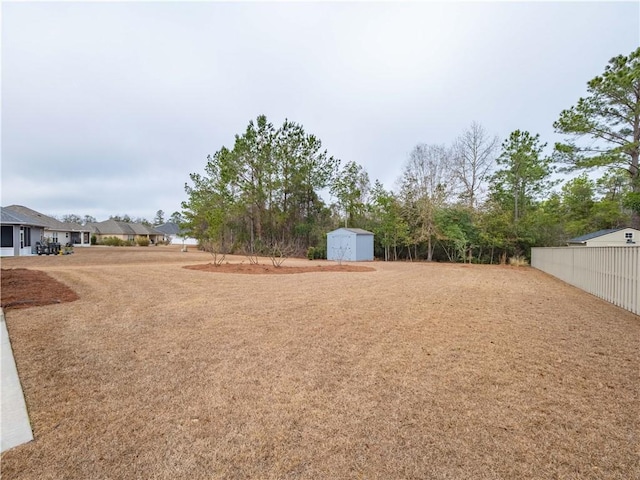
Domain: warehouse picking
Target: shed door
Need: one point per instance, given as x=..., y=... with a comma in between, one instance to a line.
x=341, y=247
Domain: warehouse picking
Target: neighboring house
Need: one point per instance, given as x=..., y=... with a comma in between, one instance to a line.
x=173, y=234
x=127, y=231
x=608, y=238
x=19, y=233
x=350, y=245
x=55, y=230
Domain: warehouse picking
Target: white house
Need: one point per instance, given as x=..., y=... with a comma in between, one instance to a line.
x=54, y=230
x=19, y=233
x=350, y=245
x=173, y=233
x=615, y=237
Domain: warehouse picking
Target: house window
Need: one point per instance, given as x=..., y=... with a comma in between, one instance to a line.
x=54, y=237
x=628, y=235
x=7, y=236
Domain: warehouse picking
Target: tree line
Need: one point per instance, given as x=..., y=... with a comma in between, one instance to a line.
x=477, y=199
x=159, y=219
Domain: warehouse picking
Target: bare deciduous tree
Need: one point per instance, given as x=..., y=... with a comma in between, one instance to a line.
x=278, y=253
x=427, y=184
x=473, y=158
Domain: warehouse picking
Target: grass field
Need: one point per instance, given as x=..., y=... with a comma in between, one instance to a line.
x=411, y=371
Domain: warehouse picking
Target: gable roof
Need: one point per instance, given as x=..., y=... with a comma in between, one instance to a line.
x=45, y=220
x=10, y=217
x=169, y=228
x=113, y=227
x=591, y=236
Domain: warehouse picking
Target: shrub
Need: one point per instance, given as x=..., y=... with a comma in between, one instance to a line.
x=94, y=240
x=142, y=241
x=319, y=253
x=518, y=261
x=114, y=242
x=316, y=253
x=278, y=254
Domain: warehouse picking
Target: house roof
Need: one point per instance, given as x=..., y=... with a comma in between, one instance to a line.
x=170, y=228
x=46, y=221
x=113, y=227
x=10, y=217
x=591, y=236
x=358, y=231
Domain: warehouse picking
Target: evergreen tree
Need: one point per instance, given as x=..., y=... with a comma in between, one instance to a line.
x=610, y=119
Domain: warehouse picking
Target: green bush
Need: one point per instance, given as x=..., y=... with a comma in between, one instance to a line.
x=316, y=253
x=94, y=240
x=114, y=242
x=143, y=241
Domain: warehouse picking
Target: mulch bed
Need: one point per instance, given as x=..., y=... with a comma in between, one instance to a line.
x=24, y=288
x=261, y=269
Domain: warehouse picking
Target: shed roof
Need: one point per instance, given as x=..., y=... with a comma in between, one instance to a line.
x=591, y=236
x=358, y=231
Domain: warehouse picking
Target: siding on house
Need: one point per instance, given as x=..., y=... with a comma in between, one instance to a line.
x=19, y=233
x=174, y=235
x=54, y=229
x=608, y=238
x=127, y=231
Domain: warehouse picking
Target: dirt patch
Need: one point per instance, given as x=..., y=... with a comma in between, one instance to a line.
x=259, y=269
x=23, y=288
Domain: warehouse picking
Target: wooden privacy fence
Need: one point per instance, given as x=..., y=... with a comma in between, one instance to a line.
x=611, y=273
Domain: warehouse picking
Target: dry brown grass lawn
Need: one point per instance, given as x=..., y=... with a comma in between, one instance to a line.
x=410, y=371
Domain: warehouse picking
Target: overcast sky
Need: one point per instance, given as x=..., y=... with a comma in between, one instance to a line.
x=107, y=107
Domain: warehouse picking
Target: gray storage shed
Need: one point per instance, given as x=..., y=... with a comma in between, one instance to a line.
x=350, y=245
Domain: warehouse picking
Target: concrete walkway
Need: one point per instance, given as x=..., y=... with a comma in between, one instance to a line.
x=15, y=428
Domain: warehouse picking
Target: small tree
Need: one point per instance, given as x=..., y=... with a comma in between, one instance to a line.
x=351, y=187
x=523, y=174
x=456, y=232
x=208, y=212
x=278, y=254
x=426, y=185
x=341, y=253
x=159, y=218
x=388, y=224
